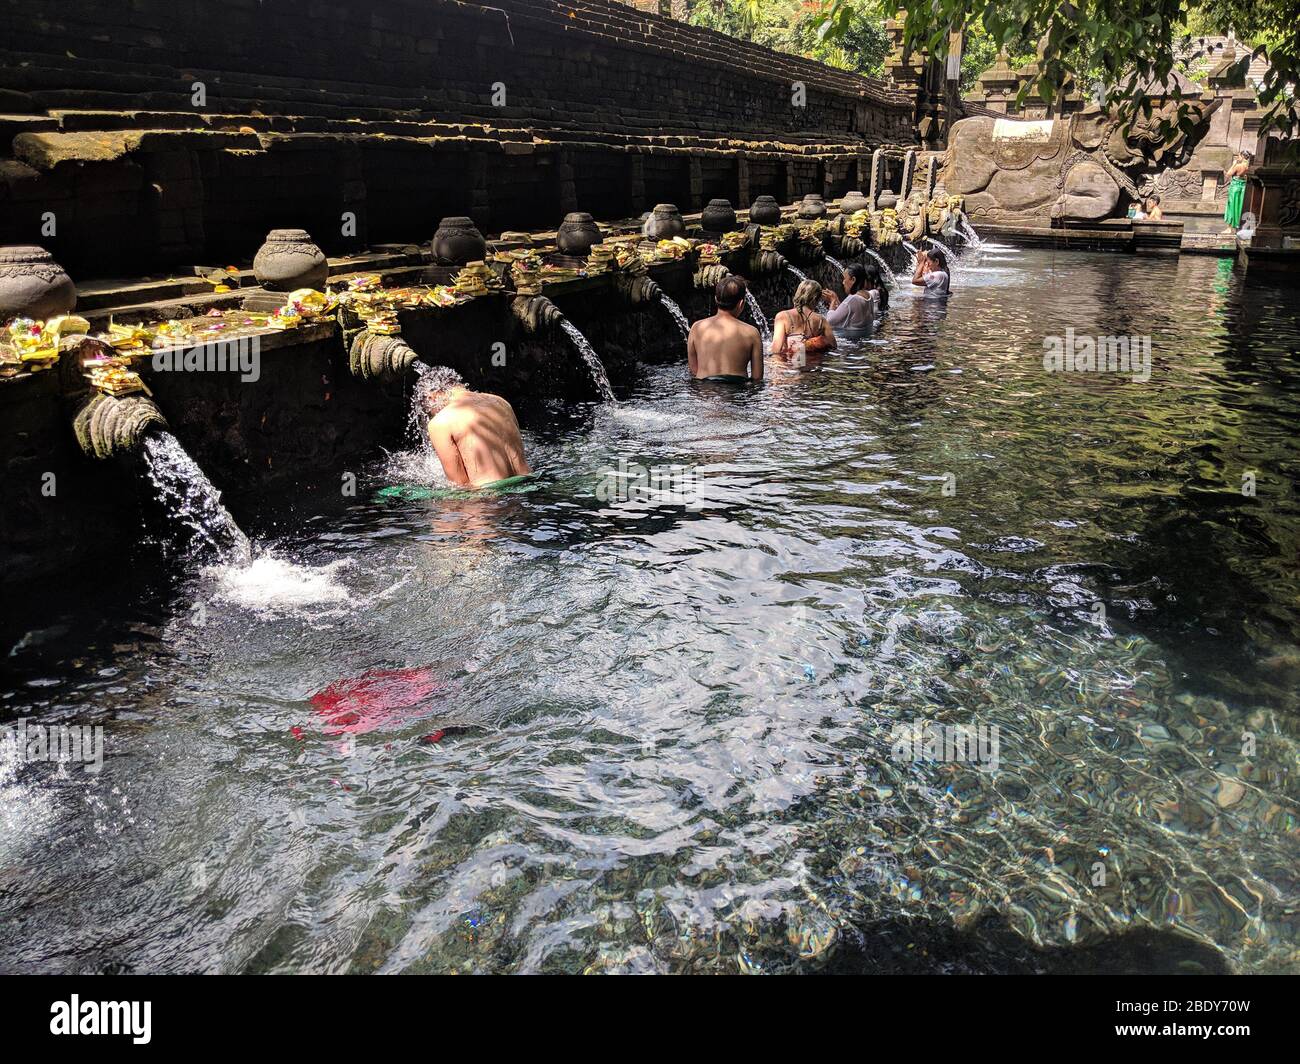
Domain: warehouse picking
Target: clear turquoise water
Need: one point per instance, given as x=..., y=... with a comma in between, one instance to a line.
x=668, y=729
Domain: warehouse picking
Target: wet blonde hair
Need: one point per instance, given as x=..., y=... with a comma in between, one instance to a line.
x=808, y=295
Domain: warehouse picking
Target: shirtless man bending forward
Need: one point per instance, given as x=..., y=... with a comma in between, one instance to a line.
x=476, y=437
x=723, y=347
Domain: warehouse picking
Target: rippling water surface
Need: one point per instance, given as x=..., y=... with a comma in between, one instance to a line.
x=661, y=733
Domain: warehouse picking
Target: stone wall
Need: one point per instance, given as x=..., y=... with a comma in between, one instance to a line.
x=582, y=64
x=365, y=123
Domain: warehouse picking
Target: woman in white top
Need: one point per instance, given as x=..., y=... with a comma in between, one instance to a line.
x=932, y=272
x=858, y=310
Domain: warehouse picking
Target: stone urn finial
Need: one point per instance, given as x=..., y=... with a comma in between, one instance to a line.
x=852, y=202
x=764, y=210
x=812, y=207
x=719, y=217
x=664, y=223
x=577, y=234
x=458, y=242
x=288, y=260
x=33, y=285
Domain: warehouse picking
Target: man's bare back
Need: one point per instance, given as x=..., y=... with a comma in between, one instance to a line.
x=723, y=345
x=477, y=439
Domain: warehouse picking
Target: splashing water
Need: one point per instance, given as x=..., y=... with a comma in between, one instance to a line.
x=756, y=312
x=428, y=379
x=598, y=375
x=679, y=316
x=797, y=272
x=190, y=498
x=968, y=233
x=269, y=585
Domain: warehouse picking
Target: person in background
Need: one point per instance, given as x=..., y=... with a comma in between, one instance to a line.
x=802, y=329
x=878, y=289
x=1236, y=178
x=724, y=348
x=932, y=272
x=857, y=311
x=1154, y=213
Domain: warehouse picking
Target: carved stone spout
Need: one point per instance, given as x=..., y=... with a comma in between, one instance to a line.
x=637, y=289
x=107, y=426
x=766, y=262
x=538, y=315
x=375, y=356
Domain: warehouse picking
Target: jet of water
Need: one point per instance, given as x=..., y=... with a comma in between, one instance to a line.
x=588, y=354
x=886, y=271
x=679, y=317
x=191, y=499
x=756, y=312
x=968, y=232
x=911, y=248
x=797, y=272
x=948, y=254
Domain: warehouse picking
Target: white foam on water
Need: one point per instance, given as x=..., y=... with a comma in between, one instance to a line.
x=270, y=585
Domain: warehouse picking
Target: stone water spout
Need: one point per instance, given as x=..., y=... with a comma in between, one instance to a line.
x=537, y=314
x=377, y=356
x=767, y=262
x=637, y=288
x=107, y=426
x=708, y=277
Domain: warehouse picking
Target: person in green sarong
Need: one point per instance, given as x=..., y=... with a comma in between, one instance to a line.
x=1236, y=178
x=477, y=439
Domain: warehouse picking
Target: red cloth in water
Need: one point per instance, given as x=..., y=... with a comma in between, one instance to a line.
x=380, y=698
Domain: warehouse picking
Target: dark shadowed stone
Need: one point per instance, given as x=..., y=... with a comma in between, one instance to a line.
x=765, y=211
x=577, y=233
x=458, y=241
x=718, y=217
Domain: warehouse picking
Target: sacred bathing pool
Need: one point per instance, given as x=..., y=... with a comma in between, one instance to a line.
x=1051, y=518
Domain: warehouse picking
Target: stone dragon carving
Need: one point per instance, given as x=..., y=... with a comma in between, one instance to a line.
x=1082, y=168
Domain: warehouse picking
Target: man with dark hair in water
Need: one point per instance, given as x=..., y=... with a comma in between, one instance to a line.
x=476, y=437
x=724, y=348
